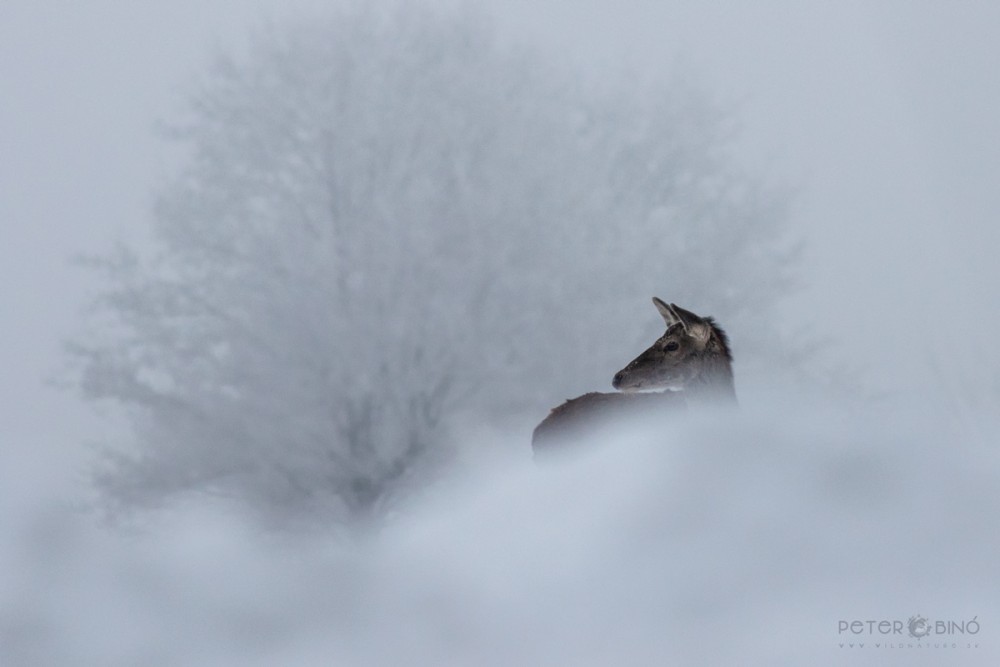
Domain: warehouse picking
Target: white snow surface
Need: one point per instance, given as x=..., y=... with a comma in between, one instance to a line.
x=712, y=541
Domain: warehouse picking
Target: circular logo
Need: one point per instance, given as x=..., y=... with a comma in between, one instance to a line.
x=918, y=626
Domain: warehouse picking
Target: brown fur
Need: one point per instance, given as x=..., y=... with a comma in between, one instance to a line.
x=578, y=417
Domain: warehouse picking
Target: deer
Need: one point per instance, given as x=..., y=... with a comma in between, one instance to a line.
x=688, y=367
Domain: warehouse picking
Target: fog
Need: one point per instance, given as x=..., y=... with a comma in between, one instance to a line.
x=774, y=537
x=746, y=540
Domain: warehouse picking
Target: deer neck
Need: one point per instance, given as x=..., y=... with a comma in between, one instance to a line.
x=714, y=385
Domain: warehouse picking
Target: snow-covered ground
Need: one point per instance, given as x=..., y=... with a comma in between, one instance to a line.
x=750, y=540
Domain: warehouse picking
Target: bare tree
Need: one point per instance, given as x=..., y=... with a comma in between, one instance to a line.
x=378, y=213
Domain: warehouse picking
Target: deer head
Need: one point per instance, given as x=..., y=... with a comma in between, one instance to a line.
x=692, y=354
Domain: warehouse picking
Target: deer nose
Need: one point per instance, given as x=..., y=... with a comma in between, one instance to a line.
x=619, y=376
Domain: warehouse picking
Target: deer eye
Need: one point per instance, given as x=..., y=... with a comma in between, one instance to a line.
x=671, y=346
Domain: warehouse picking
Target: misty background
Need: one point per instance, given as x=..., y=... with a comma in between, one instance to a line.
x=881, y=118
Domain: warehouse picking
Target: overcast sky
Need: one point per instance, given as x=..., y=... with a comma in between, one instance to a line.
x=885, y=113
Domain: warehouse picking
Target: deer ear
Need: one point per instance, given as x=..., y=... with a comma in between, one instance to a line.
x=666, y=312
x=695, y=326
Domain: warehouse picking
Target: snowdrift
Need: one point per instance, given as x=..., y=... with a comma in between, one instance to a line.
x=788, y=534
